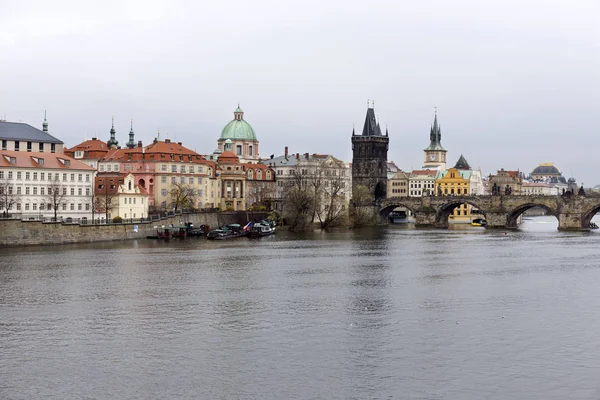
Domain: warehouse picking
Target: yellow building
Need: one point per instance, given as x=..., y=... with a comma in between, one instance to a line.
x=454, y=182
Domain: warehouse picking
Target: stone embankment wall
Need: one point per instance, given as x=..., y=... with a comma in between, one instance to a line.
x=21, y=233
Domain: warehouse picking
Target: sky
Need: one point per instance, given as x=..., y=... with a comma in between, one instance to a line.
x=515, y=82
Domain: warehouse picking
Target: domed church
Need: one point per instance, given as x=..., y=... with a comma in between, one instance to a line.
x=243, y=139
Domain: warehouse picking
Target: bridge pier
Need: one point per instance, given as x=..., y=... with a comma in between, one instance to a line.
x=571, y=222
x=497, y=220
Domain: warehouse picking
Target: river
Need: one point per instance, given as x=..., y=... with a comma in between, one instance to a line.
x=387, y=313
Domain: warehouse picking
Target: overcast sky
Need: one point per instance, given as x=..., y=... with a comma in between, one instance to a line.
x=515, y=82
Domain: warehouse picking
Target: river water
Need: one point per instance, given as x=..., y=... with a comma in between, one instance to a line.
x=385, y=313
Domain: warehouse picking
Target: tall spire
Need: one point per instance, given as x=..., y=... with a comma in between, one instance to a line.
x=112, y=141
x=238, y=113
x=371, y=127
x=45, y=123
x=131, y=143
x=435, y=135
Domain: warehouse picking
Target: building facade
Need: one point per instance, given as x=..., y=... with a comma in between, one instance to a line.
x=369, y=157
x=421, y=183
x=117, y=195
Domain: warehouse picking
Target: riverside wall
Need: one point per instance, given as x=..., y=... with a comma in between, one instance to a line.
x=22, y=233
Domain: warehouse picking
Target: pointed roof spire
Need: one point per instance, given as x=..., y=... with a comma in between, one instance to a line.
x=462, y=164
x=45, y=123
x=131, y=143
x=435, y=136
x=112, y=141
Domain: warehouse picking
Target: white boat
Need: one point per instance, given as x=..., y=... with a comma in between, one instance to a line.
x=261, y=229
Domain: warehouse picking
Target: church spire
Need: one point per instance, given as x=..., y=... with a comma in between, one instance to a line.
x=131, y=143
x=45, y=123
x=435, y=135
x=112, y=141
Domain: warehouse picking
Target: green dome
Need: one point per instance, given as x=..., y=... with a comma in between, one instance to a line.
x=238, y=129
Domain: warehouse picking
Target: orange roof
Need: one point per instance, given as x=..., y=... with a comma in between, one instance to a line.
x=51, y=160
x=154, y=152
x=93, y=149
x=228, y=157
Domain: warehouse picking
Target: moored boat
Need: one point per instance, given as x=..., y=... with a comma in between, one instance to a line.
x=479, y=222
x=262, y=228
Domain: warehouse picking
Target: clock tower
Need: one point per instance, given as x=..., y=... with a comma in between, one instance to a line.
x=435, y=154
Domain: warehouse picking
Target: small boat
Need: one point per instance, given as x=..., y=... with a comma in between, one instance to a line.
x=479, y=222
x=226, y=232
x=593, y=225
x=161, y=233
x=262, y=228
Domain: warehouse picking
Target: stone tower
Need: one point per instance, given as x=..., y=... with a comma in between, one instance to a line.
x=369, y=157
x=435, y=154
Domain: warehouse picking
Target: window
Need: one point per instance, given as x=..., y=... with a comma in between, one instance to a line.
x=42, y=189
x=182, y=169
x=201, y=169
x=101, y=167
x=109, y=168
x=29, y=147
x=173, y=179
x=191, y=181
x=173, y=168
x=163, y=192
x=72, y=191
x=133, y=200
x=18, y=206
x=163, y=179
x=238, y=150
x=52, y=148
x=35, y=190
x=87, y=206
x=1, y=174
x=34, y=206
x=18, y=189
x=250, y=150
x=182, y=180
x=27, y=190
x=72, y=207
x=163, y=167
x=41, y=150
x=79, y=207
x=191, y=169
x=64, y=206
x=87, y=177
x=87, y=191
x=64, y=191
x=79, y=191
x=72, y=177
x=4, y=144
x=80, y=178
x=64, y=177
x=17, y=145
x=26, y=206
x=35, y=176
x=41, y=206
x=200, y=181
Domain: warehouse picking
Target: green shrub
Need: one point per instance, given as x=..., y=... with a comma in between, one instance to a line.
x=117, y=220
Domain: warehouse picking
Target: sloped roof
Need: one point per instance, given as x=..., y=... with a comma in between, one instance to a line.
x=51, y=161
x=462, y=164
x=20, y=131
x=371, y=127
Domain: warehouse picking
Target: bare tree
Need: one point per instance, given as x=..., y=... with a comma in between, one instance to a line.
x=182, y=196
x=8, y=195
x=260, y=193
x=56, y=196
x=104, y=197
x=332, y=210
x=361, y=210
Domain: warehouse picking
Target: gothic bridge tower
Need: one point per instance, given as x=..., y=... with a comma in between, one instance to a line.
x=369, y=157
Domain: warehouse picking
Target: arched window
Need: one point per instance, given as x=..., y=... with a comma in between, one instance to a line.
x=250, y=174
x=268, y=175
x=129, y=186
x=259, y=174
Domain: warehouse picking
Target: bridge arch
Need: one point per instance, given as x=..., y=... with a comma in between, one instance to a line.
x=444, y=211
x=389, y=207
x=513, y=216
x=586, y=216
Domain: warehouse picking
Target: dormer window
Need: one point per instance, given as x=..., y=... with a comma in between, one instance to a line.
x=40, y=161
x=13, y=160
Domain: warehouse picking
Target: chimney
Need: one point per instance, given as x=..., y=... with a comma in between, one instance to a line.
x=139, y=143
x=154, y=140
x=94, y=138
x=286, y=152
x=297, y=156
x=167, y=140
x=179, y=143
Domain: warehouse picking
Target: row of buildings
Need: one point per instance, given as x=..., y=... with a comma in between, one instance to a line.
x=40, y=177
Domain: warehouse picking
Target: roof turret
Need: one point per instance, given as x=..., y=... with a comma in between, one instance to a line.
x=112, y=141
x=462, y=164
x=45, y=123
x=131, y=143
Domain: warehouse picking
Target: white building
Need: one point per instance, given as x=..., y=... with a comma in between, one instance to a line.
x=421, y=182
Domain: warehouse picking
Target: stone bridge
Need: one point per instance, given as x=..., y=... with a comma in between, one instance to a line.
x=573, y=212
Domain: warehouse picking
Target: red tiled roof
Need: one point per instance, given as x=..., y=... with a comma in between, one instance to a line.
x=430, y=172
x=51, y=160
x=94, y=149
x=156, y=151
